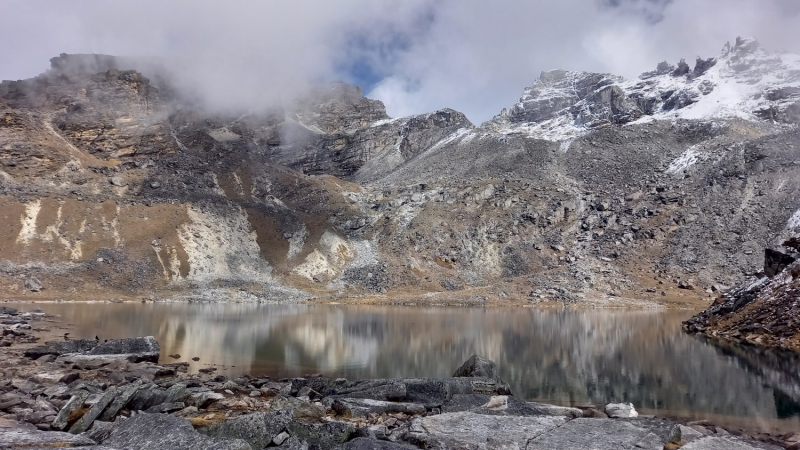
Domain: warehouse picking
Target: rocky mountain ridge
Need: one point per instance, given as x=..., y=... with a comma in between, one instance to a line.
x=113, y=185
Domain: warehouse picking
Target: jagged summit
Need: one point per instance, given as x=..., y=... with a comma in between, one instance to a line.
x=744, y=81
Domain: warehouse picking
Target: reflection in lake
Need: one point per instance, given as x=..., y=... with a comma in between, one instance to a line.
x=566, y=357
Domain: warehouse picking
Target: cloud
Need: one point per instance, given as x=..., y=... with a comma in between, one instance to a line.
x=416, y=55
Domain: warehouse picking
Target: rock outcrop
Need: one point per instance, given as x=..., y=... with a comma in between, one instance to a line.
x=762, y=310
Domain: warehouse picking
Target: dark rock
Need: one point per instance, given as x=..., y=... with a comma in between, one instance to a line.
x=139, y=349
x=258, y=429
x=160, y=431
x=478, y=366
x=8, y=310
x=61, y=348
x=430, y=392
x=775, y=262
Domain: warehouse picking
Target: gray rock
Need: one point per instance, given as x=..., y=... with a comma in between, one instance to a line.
x=118, y=181
x=258, y=429
x=8, y=310
x=94, y=412
x=372, y=444
x=280, y=438
x=120, y=401
x=74, y=404
x=620, y=410
x=608, y=433
x=689, y=434
x=203, y=399
x=23, y=438
x=147, y=396
x=138, y=349
x=478, y=366
x=294, y=443
x=99, y=431
x=354, y=407
x=470, y=430
x=33, y=284
x=156, y=431
x=727, y=443
x=553, y=410
x=495, y=405
x=328, y=435
x=430, y=392
x=299, y=408
x=164, y=408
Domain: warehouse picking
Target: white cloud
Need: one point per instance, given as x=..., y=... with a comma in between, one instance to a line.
x=471, y=55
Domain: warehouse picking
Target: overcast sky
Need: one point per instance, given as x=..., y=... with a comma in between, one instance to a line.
x=416, y=56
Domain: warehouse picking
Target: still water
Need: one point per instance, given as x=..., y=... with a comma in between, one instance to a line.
x=568, y=357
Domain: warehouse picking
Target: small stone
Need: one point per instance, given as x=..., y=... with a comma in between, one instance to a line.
x=280, y=438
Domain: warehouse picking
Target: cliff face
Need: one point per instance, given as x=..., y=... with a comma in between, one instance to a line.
x=110, y=186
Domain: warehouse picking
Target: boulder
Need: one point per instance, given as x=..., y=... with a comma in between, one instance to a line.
x=136, y=349
x=258, y=429
x=328, y=435
x=204, y=399
x=363, y=407
x=620, y=410
x=299, y=408
x=99, y=431
x=156, y=431
x=8, y=310
x=478, y=366
x=775, y=262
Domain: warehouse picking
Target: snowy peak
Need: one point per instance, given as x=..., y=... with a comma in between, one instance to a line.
x=744, y=81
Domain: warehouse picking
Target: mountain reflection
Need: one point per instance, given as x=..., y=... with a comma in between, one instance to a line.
x=566, y=357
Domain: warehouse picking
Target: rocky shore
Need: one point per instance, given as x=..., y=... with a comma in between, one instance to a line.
x=763, y=309
x=115, y=395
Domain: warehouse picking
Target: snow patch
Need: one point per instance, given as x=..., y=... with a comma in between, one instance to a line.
x=686, y=160
x=794, y=221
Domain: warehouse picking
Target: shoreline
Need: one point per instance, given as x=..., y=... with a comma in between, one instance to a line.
x=84, y=371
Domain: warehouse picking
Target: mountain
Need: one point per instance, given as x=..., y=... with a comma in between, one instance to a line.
x=590, y=189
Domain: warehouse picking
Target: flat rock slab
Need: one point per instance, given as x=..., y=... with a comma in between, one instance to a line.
x=607, y=434
x=21, y=438
x=471, y=430
x=156, y=431
x=363, y=407
x=727, y=443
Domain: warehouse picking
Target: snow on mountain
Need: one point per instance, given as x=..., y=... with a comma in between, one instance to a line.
x=744, y=81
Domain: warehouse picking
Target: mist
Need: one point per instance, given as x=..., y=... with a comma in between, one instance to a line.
x=416, y=55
